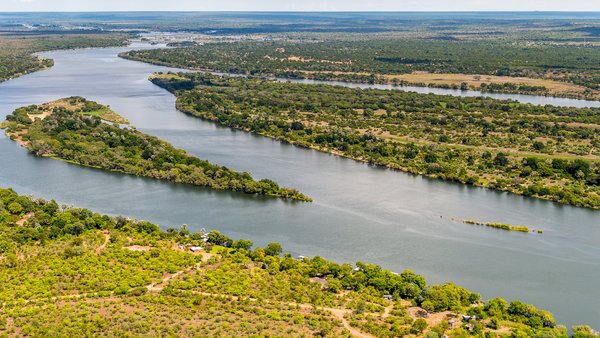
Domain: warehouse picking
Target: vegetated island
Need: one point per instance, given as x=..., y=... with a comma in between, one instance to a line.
x=540, y=151
x=503, y=226
x=76, y=130
x=67, y=271
x=490, y=66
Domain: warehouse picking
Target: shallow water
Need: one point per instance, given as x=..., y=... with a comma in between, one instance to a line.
x=360, y=213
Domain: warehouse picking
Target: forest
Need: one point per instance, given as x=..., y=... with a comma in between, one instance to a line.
x=560, y=70
x=540, y=151
x=71, y=271
x=73, y=130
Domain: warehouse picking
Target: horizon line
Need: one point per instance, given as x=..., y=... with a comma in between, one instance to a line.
x=306, y=11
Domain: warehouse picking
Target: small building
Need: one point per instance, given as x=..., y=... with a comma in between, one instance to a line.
x=388, y=297
x=195, y=248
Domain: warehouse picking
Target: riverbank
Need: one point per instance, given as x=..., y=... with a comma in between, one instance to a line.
x=362, y=299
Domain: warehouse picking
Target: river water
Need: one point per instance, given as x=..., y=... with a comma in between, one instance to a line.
x=360, y=213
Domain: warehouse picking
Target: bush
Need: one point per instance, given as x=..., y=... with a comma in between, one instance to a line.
x=15, y=208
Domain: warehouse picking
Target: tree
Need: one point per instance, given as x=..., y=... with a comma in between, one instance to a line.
x=583, y=331
x=418, y=326
x=273, y=249
x=15, y=208
x=242, y=244
x=215, y=237
x=501, y=160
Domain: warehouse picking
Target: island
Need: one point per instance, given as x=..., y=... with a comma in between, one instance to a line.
x=87, y=133
x=539, y=151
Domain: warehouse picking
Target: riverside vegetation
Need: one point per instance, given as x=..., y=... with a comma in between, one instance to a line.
x=74, y=130
x=67, y=271
x=506, y=66
x=540, y=151
x=503, y=226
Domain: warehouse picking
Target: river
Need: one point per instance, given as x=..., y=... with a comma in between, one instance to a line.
x=360, y=213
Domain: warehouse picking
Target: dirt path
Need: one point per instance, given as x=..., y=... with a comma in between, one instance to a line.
x=24, y=220
x=103, y=246
x=157, y=287
x=386, y=312
x=339, y=314
x=41, y=116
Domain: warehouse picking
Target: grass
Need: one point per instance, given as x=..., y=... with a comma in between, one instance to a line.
x=108, y=115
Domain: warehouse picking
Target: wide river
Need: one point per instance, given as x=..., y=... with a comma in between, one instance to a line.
x=360, y=213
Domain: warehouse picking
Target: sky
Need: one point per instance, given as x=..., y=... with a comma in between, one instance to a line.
x=299, y=5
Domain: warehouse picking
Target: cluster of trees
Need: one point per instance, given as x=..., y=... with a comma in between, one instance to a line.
x=87, y=140
x=366, y=60
x=497, y=144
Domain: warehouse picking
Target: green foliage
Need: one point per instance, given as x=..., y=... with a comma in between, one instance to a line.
x=405, y=132
x=584, y=331
x=447, y=297
x=87, y=140
x=419, y=326
x=15, y=208
x=273, y=249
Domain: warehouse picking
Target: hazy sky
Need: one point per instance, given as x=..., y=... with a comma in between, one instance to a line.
x=299, y=5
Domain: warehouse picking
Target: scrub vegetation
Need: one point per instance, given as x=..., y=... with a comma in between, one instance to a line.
x=70, y=271
x=541, y=151
x=74, y=130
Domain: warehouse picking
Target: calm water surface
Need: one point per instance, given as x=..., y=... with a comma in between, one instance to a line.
x=360, y=213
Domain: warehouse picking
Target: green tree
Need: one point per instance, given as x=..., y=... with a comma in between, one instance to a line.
x=15, y=208
x=273, y=249
x=418, y=326
x=244, y=244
